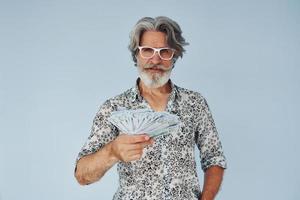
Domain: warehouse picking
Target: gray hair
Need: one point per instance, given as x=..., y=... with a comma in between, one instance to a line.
x=162, y=24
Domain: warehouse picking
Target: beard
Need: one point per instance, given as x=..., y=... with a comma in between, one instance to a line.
x=154, y=79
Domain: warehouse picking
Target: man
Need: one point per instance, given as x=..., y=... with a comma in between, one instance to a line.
x=164, y=167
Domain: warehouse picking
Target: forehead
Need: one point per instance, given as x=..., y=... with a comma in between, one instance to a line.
x=153, y=39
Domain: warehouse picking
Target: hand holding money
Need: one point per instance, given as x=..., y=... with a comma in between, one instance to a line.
x=128, y=148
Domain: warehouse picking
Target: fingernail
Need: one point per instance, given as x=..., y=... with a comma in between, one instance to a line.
x=147, y=137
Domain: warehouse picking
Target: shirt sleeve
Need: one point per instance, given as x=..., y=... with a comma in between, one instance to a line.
x=207, y=139
x=102, y=131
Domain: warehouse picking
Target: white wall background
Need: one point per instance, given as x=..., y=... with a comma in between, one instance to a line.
x=59, y=60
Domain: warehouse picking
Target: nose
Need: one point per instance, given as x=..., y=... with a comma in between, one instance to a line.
x=156, y=58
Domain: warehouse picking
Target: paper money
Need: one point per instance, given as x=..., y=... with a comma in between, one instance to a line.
x=144, y=121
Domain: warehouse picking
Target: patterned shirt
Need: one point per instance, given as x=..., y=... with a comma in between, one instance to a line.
x=167, y=169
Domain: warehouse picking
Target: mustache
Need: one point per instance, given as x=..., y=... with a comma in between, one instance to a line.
x=161, y=67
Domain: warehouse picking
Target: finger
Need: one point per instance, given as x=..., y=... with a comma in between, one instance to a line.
x=137, y=146
x=137, y=138
x=132, y=155
x=134, y=152
x=135, y=157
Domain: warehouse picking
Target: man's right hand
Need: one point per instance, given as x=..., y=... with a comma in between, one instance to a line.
x=128, y=148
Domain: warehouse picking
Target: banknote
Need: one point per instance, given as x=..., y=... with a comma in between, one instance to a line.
x=144, y=121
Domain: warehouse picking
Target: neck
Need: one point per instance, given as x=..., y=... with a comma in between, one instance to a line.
x=165, y=89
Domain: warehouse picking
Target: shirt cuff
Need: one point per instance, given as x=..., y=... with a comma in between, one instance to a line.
x=214, y=161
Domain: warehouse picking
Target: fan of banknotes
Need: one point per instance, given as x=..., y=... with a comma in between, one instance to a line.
x=144, y=121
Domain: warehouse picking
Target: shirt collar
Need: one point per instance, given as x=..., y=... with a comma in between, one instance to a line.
x=136, y=95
